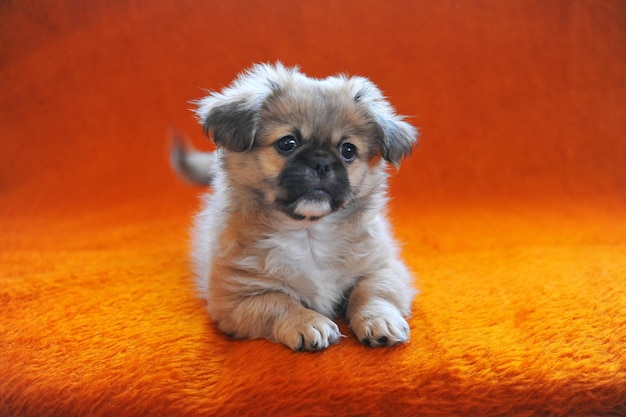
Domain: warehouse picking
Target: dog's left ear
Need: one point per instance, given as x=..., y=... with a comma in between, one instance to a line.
x=231, y=115
x=396, y=137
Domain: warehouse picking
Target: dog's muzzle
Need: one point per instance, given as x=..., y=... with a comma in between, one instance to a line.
x=313, y=186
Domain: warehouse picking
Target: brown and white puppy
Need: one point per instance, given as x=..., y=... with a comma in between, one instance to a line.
x=294, y=232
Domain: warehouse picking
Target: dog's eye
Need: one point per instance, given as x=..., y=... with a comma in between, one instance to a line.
x=286, y=144
x=348, y=151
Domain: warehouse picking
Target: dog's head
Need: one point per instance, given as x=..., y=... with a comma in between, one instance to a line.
x=304, y=146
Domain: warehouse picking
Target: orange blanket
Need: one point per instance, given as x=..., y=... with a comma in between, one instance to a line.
x=512, y=210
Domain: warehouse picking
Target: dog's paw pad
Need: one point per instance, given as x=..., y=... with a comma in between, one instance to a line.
x=380, y=326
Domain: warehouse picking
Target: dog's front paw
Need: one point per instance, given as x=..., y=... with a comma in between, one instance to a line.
x=380, y=324
x=307, y=331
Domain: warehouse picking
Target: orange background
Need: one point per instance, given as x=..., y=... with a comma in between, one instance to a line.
x=512, y=210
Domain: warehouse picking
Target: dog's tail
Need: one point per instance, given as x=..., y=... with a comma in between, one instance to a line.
x=192, y=165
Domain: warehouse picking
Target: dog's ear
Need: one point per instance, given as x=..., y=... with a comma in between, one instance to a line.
x=231, y=116
x=396, y=137
x=231, y=124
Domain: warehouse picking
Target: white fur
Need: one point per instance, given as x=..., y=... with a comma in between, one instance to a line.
x=209, y=224
x=312, y=208
x=380, y=320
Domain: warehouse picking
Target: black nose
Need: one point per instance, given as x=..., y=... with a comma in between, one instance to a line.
x=321, y=165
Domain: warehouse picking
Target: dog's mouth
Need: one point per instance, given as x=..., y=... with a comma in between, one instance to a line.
x=310, y=206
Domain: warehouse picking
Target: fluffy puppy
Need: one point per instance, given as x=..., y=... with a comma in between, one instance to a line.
x=294, y=232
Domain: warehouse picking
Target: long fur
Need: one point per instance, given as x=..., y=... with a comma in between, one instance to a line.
x=273, y=263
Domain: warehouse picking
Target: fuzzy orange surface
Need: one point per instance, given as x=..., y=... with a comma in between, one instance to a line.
x=512, y=210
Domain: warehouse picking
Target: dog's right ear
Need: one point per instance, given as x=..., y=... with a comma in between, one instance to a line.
x=231, y=116
x=231, y=124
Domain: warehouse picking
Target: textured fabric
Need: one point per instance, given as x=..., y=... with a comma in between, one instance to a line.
x=512, y=210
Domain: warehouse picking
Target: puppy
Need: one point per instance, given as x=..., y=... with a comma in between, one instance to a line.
x=294, y=232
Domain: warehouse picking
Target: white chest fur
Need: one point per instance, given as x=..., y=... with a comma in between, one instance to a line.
x=315, y=265
x=318, y=266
